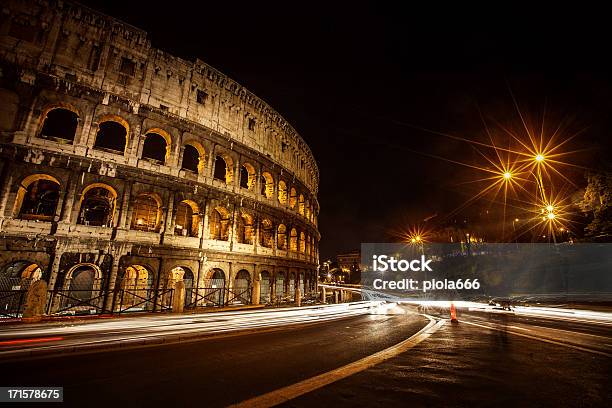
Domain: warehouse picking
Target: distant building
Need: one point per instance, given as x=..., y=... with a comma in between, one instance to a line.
x=349, y=264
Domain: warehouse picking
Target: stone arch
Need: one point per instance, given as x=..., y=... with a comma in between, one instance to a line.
x=224, y=168
x=187, y=219
x=247, y=176
x=267, y=185
x=147, y=212
x=244, y=228
x=136, y=283
x=265, y=291
x=282, y=192
x=302, y=242
x=19, y=273
x=59, y=121
x=83, y=281
x=157, y=146
x=293, y=240
x=280, y=284
x=37, y=197
x=281, y=237
x=301, y=203
x=292, y=198
x=180, y=274
x=266, y=233
x=97, y=205
x=112, y=134
x=219, y=223
x=194, y=157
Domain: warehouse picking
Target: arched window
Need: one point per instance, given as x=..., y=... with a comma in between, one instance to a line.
x=266, y=234
x=221, y=169
x=60, y=124
x=267, y=185
x=82, y=282
x=219, y=224
x=282, y=192
x=191, y=159
x=242, y=287
x=281, y=237
x=302, y=242
x=39, y=200
x=111, y=136
x=247, y=176
x=97, y=207
x=147, y=213
x=307, y=209
x=301, y=205
x=244, y=228
x=187, y=219
x=155, y=147
x=293, y=240
x=292, y=198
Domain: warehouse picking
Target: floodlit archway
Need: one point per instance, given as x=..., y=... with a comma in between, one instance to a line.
x=155, y=147
x=37, y=197
x=267, y=185
x=282, y=192
x=219, y=223
x=147, y=212
x=97, y=205
x=281, y=237
x=266, y=233
x=187, y=219
x=60, y=123
x=223, y=168
x=112, y=134
x=247, y=176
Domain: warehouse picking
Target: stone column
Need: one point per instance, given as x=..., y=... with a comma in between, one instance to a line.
x=298, y=295
x=7, y=175
x=125, y=203
x=323, y=295
x=69, y=198
x=335, y=296
x=112, y=282
x=205, y=227
x=256, y=291
x=169, y=224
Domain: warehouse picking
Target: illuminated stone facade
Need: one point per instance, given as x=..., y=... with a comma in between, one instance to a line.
x=124, y=165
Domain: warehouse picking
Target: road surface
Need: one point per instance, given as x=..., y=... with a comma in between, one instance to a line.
x=488, y=359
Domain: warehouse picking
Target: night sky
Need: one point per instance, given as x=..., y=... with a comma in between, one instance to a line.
x=359, y=83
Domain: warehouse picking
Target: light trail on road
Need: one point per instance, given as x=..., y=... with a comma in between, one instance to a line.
x=170, y=326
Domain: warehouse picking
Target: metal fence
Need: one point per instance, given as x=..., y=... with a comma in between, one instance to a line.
x=13, y=293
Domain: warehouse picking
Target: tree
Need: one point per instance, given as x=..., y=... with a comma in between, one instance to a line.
x=597, y=204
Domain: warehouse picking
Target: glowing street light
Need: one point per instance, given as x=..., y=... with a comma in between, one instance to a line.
x=551, y=215
x=550, y=208
x=539, y=158
x=507, y=175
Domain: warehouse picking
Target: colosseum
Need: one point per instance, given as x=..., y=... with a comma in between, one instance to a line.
x=126, y=170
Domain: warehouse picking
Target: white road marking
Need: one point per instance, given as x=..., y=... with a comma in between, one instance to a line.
x=290, y=392
x=559, y=343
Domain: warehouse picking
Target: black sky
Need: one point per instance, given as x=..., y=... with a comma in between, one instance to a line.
x=356, y=80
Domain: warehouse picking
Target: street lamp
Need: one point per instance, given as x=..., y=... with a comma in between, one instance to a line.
x=539, y=158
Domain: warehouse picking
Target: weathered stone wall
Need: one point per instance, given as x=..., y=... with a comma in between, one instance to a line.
x=63, y=57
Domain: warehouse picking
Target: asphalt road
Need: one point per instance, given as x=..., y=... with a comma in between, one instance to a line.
x=487, y=359
x=213, y=372
x=490, y=360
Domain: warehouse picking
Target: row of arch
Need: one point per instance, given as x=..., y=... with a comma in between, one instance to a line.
x=38, y=197
x=83, y=282
x=112, y=135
